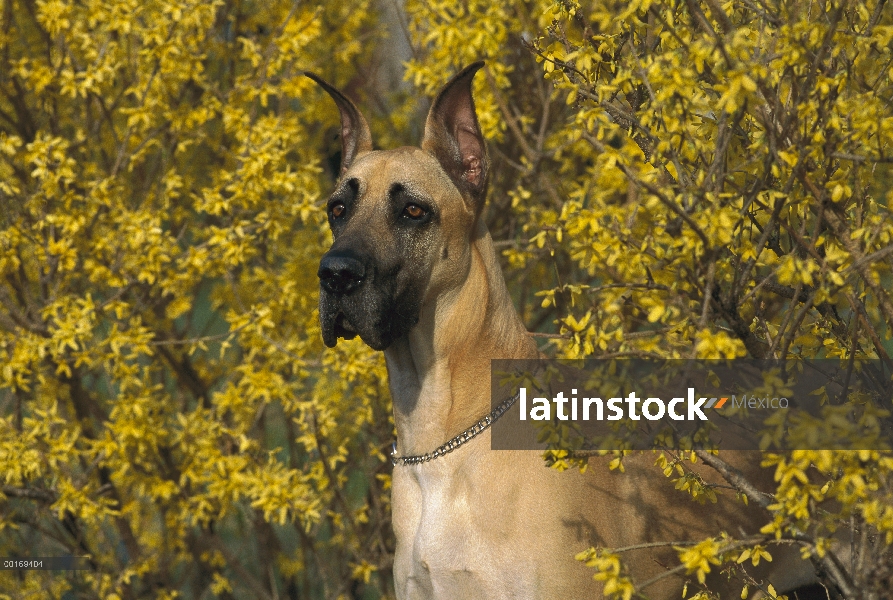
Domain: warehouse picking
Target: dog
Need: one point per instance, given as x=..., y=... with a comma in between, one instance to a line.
x=412, y=270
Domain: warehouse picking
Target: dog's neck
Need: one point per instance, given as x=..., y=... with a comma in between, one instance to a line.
x=431, y=403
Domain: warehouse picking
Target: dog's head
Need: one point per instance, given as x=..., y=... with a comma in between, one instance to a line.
x=401, y=219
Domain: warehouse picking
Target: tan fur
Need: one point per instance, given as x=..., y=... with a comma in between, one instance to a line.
x=478, y=523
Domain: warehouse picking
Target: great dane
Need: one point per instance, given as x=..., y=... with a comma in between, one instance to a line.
x=413, y=272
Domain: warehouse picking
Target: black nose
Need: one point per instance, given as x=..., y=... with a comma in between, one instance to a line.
x=340, y=273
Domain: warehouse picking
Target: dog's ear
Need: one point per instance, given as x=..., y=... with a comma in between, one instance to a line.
x=453, y=136
x=355, y=135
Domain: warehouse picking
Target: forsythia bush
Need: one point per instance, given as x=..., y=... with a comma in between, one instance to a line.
x=684, y=179
x=166, y=405
x=701, y=179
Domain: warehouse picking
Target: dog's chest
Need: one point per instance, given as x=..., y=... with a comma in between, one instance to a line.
x=454, y=539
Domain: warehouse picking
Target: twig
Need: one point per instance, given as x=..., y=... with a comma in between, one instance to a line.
x=734, y=477
x=548, y=335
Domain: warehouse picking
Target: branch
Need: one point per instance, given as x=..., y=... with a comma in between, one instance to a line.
x=734, y=477
x=30, y=493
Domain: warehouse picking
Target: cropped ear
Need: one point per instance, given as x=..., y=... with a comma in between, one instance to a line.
x=355, y=135
x=453, y=136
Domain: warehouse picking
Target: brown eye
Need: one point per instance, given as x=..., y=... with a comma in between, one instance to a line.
x=414, y=211
x=337, y=210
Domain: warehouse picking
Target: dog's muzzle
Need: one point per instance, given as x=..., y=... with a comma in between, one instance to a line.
x=343, y=299
x=356, y=298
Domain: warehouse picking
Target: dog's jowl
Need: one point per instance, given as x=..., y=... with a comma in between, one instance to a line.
x=413, y=272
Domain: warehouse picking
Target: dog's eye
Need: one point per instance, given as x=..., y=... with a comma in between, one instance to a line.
x=337, y=209
x=414, y=211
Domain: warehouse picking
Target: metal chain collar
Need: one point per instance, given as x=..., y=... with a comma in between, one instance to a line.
x=457, y=441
